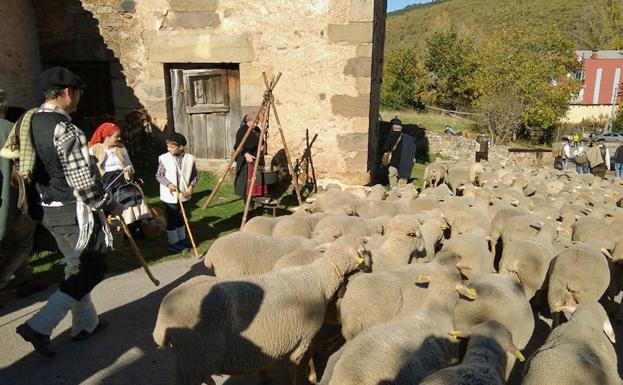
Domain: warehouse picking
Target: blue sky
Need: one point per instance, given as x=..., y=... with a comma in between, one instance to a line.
x=393, y=5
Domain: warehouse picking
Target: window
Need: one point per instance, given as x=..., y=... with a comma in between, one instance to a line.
x=206, y=91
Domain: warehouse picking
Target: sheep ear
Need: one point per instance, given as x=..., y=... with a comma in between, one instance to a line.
x=420, y=244
x=609, y=331
x=422, y=278
x=466, y=292
x=606, y=253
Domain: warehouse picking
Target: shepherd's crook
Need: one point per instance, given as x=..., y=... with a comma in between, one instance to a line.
x=137, y=251
x=190, y=234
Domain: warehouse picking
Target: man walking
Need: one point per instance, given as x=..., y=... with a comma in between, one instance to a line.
x=71, y=203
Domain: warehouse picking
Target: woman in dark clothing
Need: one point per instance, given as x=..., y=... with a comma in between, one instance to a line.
x=247, y=154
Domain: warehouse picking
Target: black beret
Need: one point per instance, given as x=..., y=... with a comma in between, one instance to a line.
x=178, y=138
x=58, y=78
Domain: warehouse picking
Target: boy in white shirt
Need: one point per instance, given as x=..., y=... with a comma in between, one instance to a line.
x=177, y=175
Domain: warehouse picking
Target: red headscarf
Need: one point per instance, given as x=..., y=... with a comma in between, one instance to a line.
x=103, y=131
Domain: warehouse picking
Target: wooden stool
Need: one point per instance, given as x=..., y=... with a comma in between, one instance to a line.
x=266, y=203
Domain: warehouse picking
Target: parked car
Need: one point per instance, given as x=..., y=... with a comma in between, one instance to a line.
x=610, y=137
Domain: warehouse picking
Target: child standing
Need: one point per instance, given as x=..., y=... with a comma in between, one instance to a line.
x=177, y=175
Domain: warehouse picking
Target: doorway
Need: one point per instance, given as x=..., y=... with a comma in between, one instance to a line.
x=204, y=106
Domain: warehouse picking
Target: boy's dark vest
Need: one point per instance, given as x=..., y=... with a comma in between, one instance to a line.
x=48, y=176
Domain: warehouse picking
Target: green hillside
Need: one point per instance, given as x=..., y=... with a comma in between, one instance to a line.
x=595, y=24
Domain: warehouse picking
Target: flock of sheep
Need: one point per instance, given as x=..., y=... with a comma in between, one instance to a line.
x=435, y=287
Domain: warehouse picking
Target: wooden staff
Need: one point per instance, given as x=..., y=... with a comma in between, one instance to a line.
x=190, y=233
x=137, y=251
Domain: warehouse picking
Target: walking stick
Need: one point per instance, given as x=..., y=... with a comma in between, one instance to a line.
x=190, y=234
x=137, y=251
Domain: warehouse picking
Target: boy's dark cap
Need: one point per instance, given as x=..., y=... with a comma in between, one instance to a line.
x=178, y=138
x=58, y=78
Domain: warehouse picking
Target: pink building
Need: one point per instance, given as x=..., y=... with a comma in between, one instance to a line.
x=602, y=81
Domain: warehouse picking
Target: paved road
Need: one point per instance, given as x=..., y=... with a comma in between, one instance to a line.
x=123, y=354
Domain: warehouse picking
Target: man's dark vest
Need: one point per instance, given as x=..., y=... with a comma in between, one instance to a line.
x=48, y=176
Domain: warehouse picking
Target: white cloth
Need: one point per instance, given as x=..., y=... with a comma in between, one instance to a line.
x=566, y=151
x=578, y=151
x=52, y=313
x=607, y=160
x=111, y=162
x=172, y=171
x=84, y=316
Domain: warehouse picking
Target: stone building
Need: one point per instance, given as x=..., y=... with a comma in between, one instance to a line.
x=196, y=67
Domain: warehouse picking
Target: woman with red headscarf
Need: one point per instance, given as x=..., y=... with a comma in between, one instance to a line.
x=115, y=167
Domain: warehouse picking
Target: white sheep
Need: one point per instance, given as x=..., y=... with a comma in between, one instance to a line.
x=331, y=227
x=244, y=325
x=577, y=352
x=498, y=298
x=403, y=350
x=485, y=359
x=577, y=274
x=401, y=244
x=473, y=247
x=240, y=254
x=371, y=299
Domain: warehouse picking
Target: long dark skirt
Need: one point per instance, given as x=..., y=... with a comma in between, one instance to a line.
x=242, y=175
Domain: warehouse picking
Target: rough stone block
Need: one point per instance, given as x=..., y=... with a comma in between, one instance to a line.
x=193, y=5
x=352, y=142
x=361, y=125
x=192, y=20
x=155, y=70
x=351, y=106
x=361, y=10
x=151, y=90
x=251, y=95
x=358, y=162
x=363, y=85
x=171, y=47
x=351, y=33
x=251, y=73
x=358, y=67
x=364, y=50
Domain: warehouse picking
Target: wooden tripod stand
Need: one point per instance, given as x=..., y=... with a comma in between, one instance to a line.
x=307, y=161
x=262, y=120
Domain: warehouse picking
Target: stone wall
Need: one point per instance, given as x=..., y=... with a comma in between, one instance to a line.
x=19, y=53
x=324, y=49
x=459, y=147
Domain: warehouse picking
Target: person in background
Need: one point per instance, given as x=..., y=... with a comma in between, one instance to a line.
x=177, y=175
x=112, y=161
x=246, y=157
x=566, y=153
x=581, y=161
x=17, y=231
x=71, y=203
x=618, y=162
x=391, y=153
x=576, y=140
x=598, y=158
x=482, y=151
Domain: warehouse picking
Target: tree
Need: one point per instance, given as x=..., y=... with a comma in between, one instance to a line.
x=603, y=25
x=524, y=66
x=405, y=80
x=451, y=62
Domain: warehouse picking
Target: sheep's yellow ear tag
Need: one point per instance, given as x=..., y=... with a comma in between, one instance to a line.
x=359, y=260
x=454, y=334
x=472, y=291
x=519, y=356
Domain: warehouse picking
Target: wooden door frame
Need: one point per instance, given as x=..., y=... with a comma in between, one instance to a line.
x=186, y=66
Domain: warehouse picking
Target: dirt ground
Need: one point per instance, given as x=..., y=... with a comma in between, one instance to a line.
x=125, y=354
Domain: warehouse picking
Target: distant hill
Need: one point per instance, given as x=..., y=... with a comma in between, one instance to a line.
x=575, y=18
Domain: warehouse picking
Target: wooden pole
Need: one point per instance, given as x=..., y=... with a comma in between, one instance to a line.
x=137, y=251
x=190, y=233
x=295, y=181
x=233, y=158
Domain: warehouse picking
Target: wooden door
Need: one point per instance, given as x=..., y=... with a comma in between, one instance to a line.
x=206, y=109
